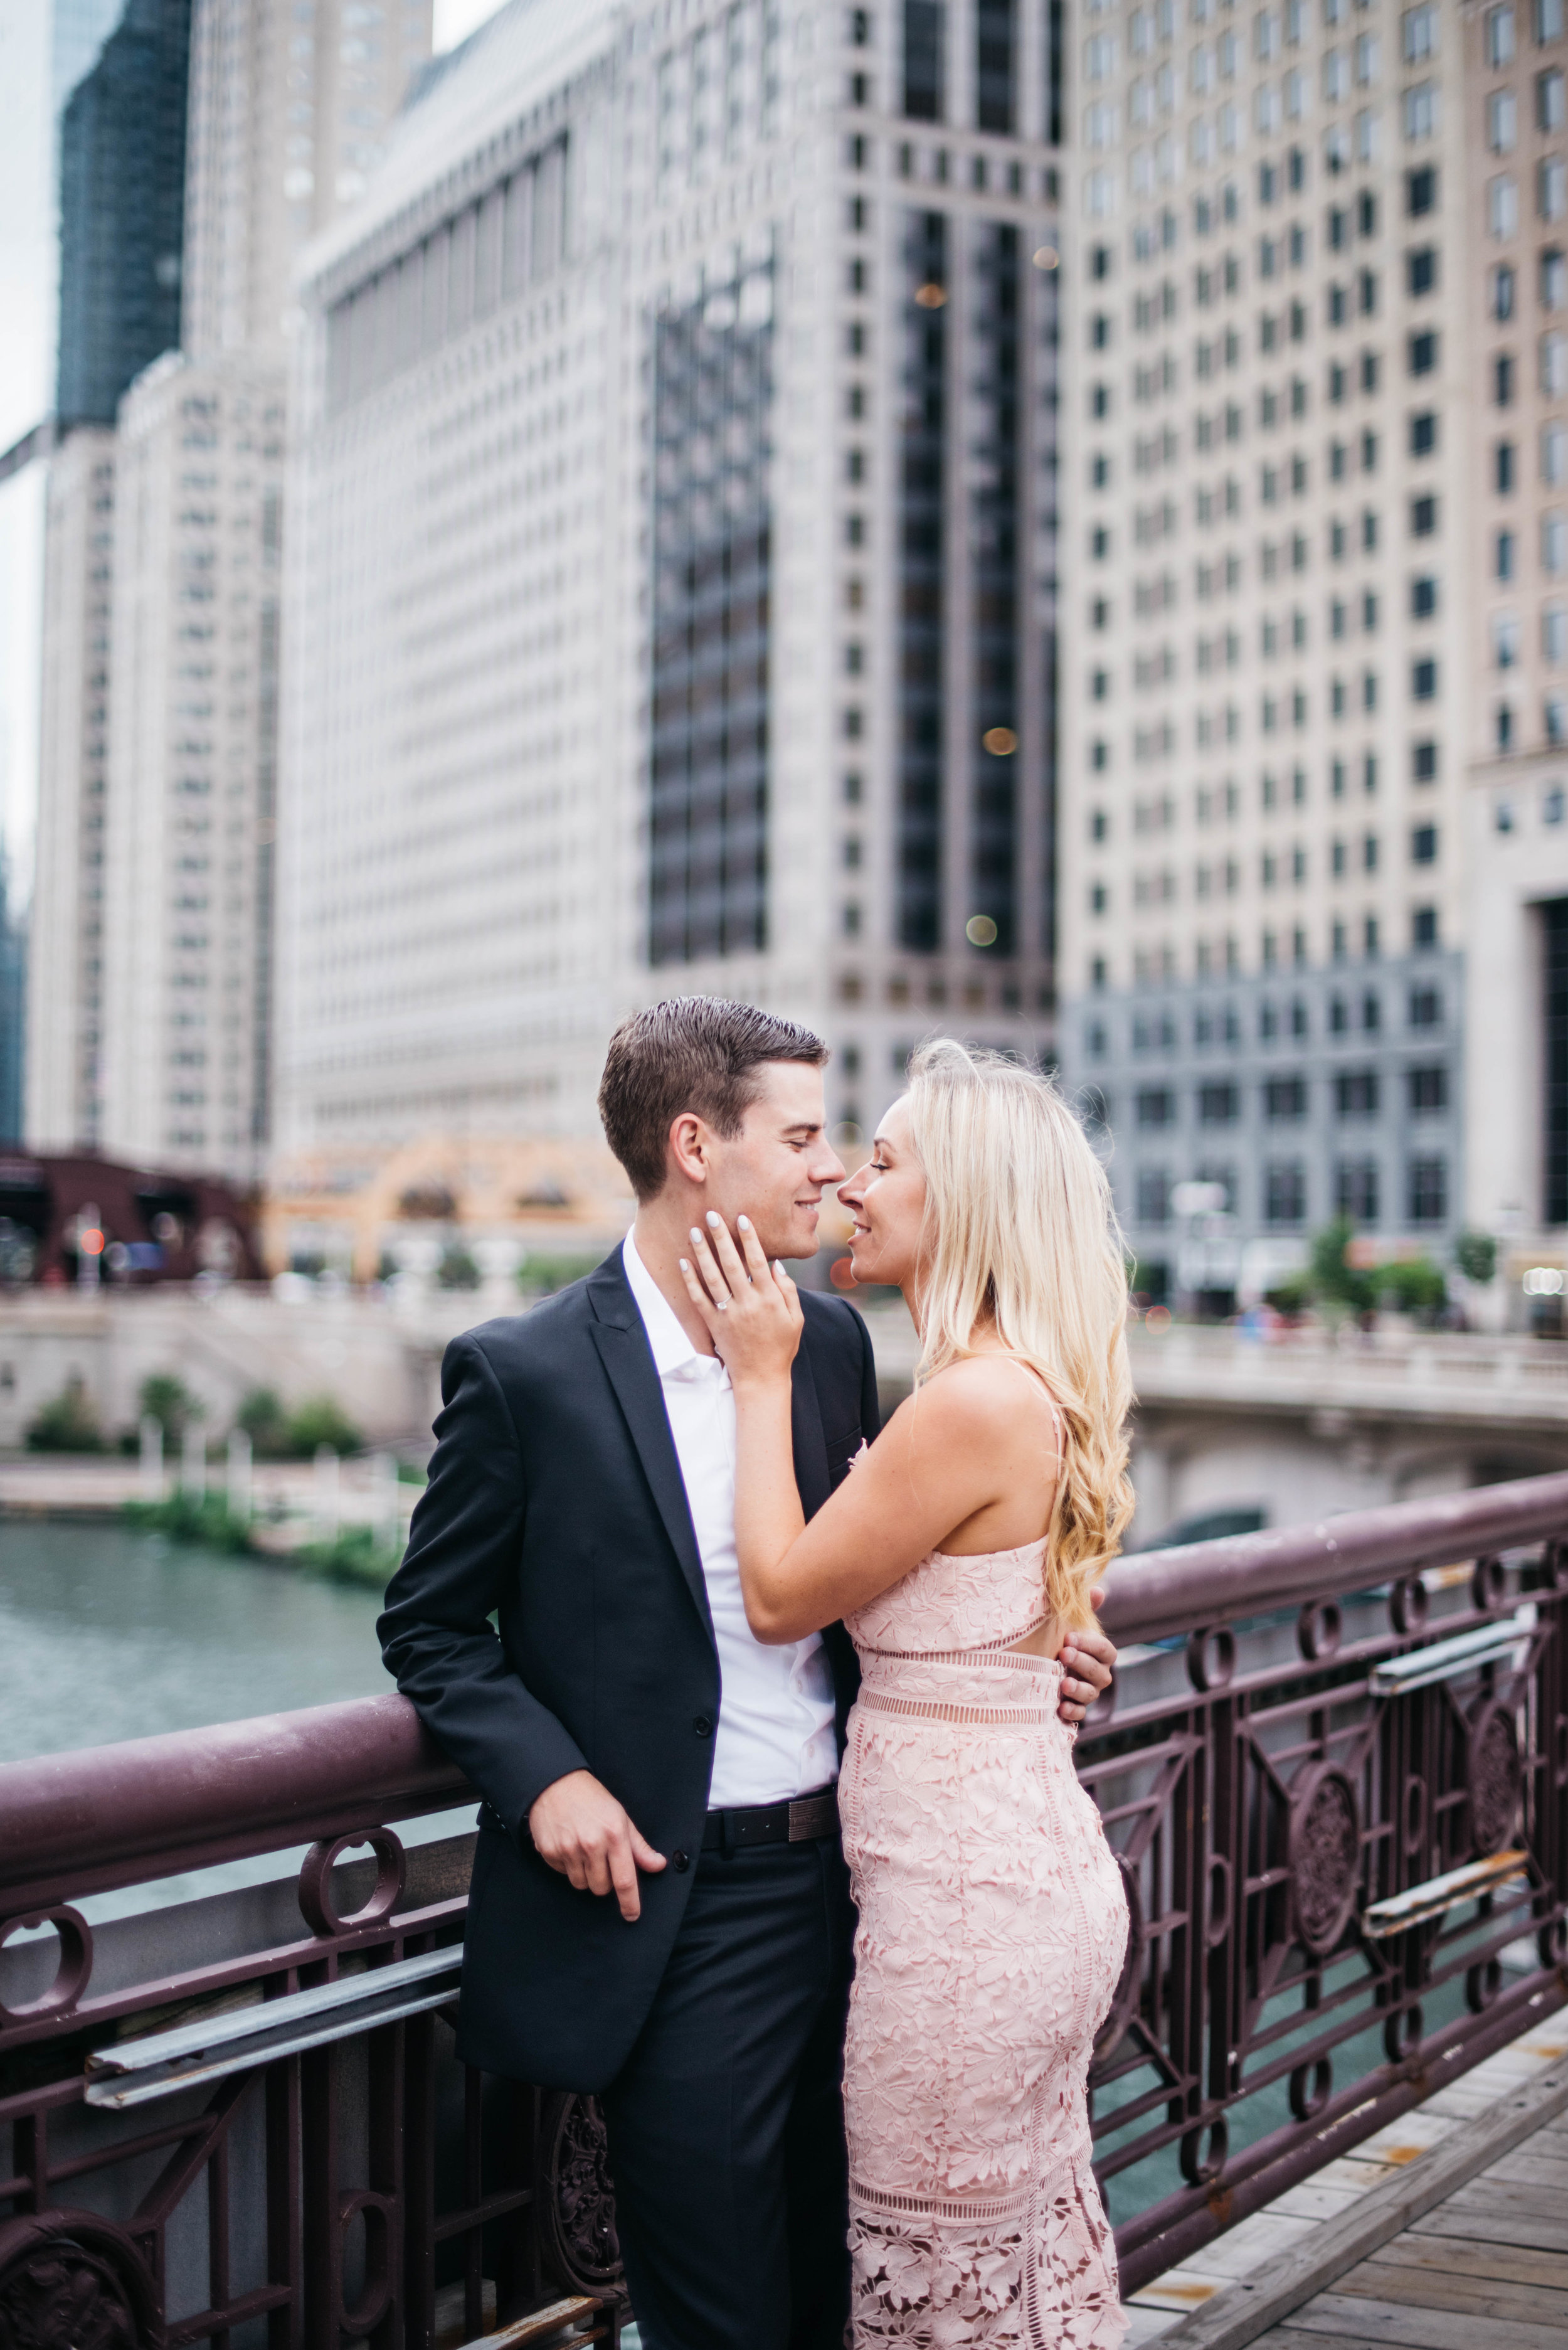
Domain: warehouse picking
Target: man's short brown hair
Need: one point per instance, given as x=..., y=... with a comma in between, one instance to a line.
x=693, y=1053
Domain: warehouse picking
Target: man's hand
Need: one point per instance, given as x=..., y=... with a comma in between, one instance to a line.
x=1088, y=1660
x=579, y=1828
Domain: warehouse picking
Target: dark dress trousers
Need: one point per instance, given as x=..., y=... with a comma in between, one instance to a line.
x=556, y=1503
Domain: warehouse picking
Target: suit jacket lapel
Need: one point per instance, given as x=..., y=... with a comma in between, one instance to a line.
x=624, y=1350
x=810, y=1444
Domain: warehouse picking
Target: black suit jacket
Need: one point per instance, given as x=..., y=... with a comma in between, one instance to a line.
x=555, y=1504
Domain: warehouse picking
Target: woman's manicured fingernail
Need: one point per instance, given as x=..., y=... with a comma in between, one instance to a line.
x=744, y=1222
x=713, y=1216
x=684, y=1266
x=696, y=1235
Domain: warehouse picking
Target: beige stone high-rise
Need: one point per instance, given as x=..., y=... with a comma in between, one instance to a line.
x=288, y=108
x=1314, y=565
x=673, y=536
x=65, y=997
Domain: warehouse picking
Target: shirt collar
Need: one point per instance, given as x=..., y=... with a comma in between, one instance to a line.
x=673, y=1353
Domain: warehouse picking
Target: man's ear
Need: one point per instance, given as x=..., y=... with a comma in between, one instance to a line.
x=691, y=1147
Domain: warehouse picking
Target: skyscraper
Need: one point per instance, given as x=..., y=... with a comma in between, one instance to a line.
x=13, y=1006
x=122, y=210
x=161, y=887
x=1308, y=509
x=672, y=566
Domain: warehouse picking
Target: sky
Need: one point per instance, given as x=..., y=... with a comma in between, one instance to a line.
x=455, y=19
x=27, y=260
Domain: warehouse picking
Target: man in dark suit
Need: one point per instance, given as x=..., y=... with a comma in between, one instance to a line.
x=659, y=1909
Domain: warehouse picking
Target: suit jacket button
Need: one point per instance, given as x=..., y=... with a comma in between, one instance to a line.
x=702, y=1726
x=681, y=1862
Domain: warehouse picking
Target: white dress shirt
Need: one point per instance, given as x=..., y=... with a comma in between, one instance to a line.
x=775, y=1735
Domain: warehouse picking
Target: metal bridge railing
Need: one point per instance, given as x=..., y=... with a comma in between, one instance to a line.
x=1337, y=1777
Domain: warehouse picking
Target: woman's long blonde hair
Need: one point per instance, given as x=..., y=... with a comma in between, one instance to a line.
x=1020, y=1231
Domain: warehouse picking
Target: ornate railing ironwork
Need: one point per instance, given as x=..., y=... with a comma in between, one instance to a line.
x=1337, y=1778
x=1343, y=1825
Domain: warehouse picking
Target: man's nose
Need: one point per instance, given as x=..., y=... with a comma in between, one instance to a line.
x=829, y=1169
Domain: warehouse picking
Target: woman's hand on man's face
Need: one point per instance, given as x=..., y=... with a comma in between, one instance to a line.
x=751, y=1308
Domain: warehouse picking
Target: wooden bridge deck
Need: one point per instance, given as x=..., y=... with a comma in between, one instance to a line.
x=1486, y=2270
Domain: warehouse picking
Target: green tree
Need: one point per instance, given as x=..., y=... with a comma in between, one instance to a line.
x=264, y=1421
x=1334, y=1281
x=167, y=1400
x=68, y=1424
x=1475, y=1253
x=457, y=1270
x=1411, y=1285
x=539, y=1275
x=319, y=1421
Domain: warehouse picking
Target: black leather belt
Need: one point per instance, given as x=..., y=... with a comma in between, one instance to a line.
x=800, y=1822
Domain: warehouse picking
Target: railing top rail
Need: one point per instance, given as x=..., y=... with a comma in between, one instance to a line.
x=106, y=1816
x=103, y=1816
x=1153, y=1594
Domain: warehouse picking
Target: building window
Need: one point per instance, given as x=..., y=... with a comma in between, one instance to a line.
x=1423, y=353
x=924, y=41
x=1501, y=121
x=1421, y=190
x=1284, y=1194
x=1423, y=845
x=1428, y=1191
x=1420, y=111
x=994, y=37
x=1284, y=1099
x=1503, y=206
x=992, y=425
x=1356, y=1189
x=1155, y=1106
x=708, y=817
x=1423, y=927
x=1423, y=762
x=1428, y=1091
x=1153, y=1196
x=1551, y=188
x=1504, y=467
x=1419, y=30
x=1423, y=518
x=1423, y=680
x=1357, y=1093
x=1554, y=543
x=1218, y=1104
x=921, y=494
x=1550, y=110
x=1423, y=597
x=1421, y=270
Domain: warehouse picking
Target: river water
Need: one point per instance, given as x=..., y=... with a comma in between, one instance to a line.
x=106, y=1634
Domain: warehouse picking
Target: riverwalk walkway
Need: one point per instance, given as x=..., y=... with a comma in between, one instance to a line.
x=1446, y=2231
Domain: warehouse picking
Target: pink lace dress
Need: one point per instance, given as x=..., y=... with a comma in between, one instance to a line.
x=992, y=1927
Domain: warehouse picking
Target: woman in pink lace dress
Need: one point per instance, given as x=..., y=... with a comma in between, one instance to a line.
x=992, y=1924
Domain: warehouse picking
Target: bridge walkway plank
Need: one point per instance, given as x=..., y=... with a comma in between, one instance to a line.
x=1485, y=2270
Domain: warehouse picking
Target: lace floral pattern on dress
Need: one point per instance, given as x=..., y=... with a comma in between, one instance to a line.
x=992, y=1926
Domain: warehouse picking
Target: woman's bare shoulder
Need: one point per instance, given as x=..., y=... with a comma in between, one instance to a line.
x=983, y=1395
